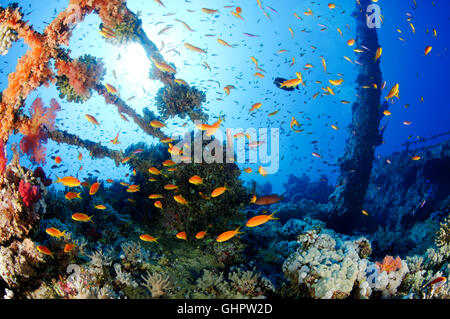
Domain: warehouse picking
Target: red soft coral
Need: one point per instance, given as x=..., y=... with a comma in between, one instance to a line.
x=30, y=193
x=34, y=132
x=3, y=159
x=390, y=264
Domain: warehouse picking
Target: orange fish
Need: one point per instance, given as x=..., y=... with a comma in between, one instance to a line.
x=196, y=180
x=155, y=196
x=255, y=107
x=73, y=195
x=218, y=191
x=268, y=200
x=69, y=247
x=157, y=124
x=110, y=181
x=44, y=250
x=169, y=163
x=92, y=119
x=365, y=212
x=94, y=188
x=416, y=158
x=68, y=181
x=170, y=187
x=54, y=232
x=58, y=160
x=80, y=217
x=158, y=204
x=262, y=171
x=154, y=171
x=259, y=220
x=180, y=199
x=228, y=235
x=428, y=50
x=148, y=238
x=316, y=154
x=182, y=235
x=101, y=207
x=213, y=128
x=248, y=170
x=115, y=141
x=111, y=89
x=200, y=235
x=439, y=281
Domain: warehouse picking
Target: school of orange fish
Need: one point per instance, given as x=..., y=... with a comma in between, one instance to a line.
x=211, y=129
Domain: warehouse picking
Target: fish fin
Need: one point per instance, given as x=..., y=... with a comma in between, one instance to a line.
x=271, y=216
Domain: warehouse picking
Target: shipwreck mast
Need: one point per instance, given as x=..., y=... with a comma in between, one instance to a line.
x=355, y=165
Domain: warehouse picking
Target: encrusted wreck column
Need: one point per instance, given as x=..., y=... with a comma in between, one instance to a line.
x=356, y=163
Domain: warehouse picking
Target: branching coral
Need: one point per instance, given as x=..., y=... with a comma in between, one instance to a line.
x=35, y=130
x=156, y=284
x=443, y=235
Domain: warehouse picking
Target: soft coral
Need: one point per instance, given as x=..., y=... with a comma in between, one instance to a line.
x=30, y=193
x=3, y=159
x=33, y=131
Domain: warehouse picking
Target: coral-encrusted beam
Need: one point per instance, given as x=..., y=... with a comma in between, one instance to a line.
x=96, y=149
x=123, y=108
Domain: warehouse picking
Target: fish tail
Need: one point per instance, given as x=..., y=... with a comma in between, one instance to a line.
x=237, y=230
x=271, y=216
x=58, y=180
x=79, y=195
x=89, y=218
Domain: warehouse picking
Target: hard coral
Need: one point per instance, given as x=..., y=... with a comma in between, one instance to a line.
x=389, y=264
x=443, y=235
x=33, y=130
x=30, y=193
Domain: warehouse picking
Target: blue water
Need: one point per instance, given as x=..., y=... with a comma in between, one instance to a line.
x=401, y=62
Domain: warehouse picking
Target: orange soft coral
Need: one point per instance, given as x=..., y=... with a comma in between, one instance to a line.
x=35, y=130
x=81, y=78
x=389, y=264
